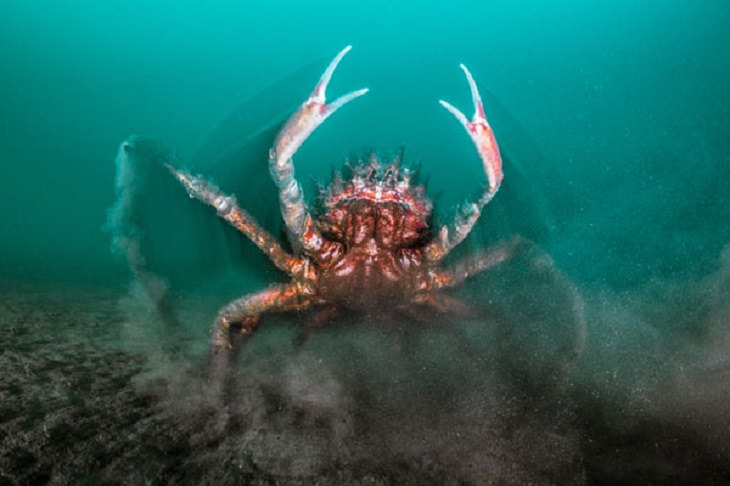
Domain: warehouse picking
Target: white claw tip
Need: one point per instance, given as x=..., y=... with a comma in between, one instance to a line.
x=467, y=73
x=342, y=53
x=456, y=112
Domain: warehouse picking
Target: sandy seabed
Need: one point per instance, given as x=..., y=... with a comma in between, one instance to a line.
x=89, y=395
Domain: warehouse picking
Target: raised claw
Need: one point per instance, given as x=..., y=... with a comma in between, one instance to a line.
x=292, y=135
x=481, y=134
x=311, y=114
x=483, y=137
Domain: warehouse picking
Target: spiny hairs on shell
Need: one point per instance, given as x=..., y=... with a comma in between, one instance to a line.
x=374, y=180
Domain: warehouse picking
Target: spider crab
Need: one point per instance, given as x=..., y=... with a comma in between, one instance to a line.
x=372, y=247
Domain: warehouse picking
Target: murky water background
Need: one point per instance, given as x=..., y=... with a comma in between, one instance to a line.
x=609, y=367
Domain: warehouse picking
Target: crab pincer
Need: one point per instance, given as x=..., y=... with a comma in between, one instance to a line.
x=311, y=113
x=481, y=134
x=292, y=135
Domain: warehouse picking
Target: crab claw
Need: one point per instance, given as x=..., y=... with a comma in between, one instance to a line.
x=481, y=134
x=311, y=114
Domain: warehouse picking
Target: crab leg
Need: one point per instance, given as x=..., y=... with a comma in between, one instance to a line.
x=295, y=131
x=246, y=312
x=237, y=320
x=228, y=209
x=474, y=264
x=483, y=137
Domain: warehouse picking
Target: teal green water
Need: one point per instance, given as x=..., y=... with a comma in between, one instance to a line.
x=625, y=104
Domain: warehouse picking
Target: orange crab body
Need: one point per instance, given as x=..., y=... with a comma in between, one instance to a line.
x=381, y=224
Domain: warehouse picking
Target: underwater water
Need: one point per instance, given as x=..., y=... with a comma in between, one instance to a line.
x=601, y=355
